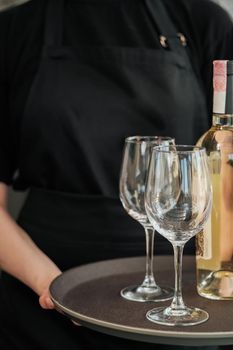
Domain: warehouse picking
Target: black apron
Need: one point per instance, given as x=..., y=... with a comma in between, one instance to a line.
x=159, y=94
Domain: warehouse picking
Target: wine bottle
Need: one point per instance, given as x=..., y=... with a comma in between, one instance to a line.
x=214, y=255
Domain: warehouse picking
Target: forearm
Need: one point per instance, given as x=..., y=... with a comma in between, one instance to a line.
x=20, y=257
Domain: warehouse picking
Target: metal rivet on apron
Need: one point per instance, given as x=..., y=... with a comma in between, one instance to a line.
x=163, y=41
x=182, y=38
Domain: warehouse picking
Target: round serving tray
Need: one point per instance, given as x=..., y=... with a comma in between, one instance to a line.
x=90, y=295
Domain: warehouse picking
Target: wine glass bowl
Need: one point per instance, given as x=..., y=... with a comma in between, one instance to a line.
x=135, y=163
x=178, y=203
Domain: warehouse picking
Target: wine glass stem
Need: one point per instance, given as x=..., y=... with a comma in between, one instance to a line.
x=149, y=280
x=177, y=302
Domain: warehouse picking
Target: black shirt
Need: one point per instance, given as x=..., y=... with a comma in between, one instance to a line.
x=126, y=23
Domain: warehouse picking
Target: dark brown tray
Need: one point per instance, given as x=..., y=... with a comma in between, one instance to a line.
x=90, y=295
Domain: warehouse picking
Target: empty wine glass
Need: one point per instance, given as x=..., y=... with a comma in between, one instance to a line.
x=178, y=202
x=134, y=169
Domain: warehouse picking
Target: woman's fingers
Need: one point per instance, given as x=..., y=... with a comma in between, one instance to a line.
x=45, y=301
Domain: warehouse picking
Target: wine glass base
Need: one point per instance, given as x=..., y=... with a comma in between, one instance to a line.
x=169, y=317
x=144, y=294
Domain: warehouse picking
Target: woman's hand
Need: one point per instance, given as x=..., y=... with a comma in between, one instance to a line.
x=20, y=257
x=44, y=296
x=45, y=300
x=47, y=304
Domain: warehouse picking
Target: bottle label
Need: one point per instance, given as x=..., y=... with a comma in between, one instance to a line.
x=204, y=242
x=205, y=238
x=220, y=86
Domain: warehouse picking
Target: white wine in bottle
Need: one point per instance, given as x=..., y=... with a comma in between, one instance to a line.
x=215, y=243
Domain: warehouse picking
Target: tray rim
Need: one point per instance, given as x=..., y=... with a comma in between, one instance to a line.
x=115, y=327
x=144, y=331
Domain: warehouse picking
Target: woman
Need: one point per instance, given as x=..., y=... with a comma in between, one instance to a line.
x=77, y=77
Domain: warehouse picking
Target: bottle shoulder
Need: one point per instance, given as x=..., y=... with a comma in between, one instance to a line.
x=216, y=137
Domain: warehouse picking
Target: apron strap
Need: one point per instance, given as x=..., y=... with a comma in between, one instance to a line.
x=53, y=33
x=169, y=35
x=171, y=38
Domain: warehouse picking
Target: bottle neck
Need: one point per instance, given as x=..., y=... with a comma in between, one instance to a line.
x=223, y=91
x=222, y=120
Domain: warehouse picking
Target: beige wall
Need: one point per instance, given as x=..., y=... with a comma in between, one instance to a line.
x=9, y=3
x=227, y=4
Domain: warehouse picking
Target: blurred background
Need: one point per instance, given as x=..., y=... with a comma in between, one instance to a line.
x=8, y=3
x=227, y=4
x=16, y=199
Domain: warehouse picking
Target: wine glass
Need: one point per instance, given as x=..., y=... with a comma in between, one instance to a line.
x=134, y=169
x=178, y=202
